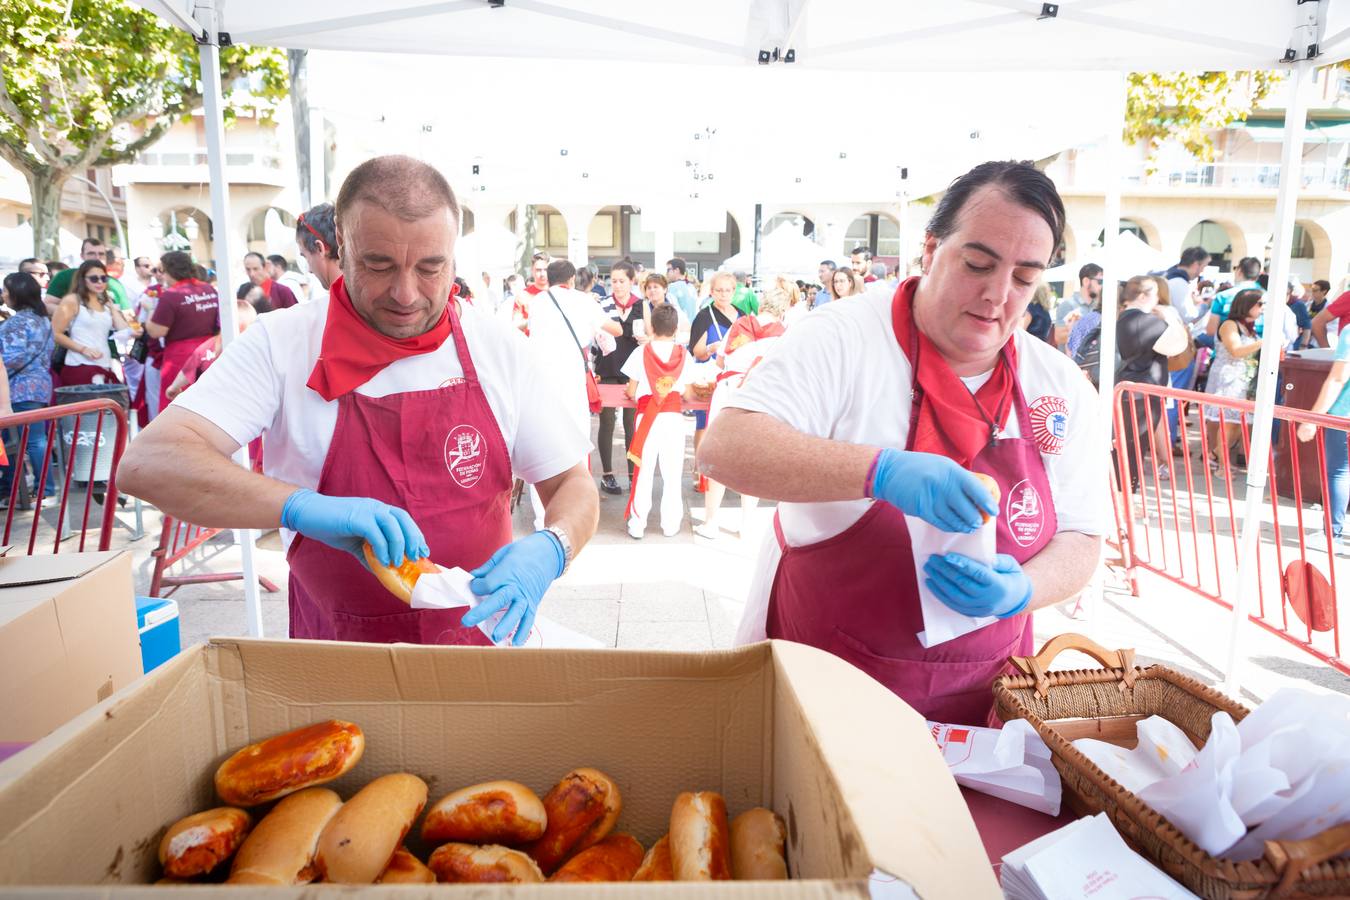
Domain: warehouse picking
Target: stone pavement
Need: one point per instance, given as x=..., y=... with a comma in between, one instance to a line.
x=686, y=593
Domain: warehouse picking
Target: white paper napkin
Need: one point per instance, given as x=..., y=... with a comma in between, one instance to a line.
x=1011, y=763
x=941, y=623
x=449, y=589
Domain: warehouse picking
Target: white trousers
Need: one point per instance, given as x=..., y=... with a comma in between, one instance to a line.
x=664, y=450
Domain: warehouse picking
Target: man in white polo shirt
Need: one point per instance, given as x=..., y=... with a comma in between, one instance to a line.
x=387, y=414
x=902, y=398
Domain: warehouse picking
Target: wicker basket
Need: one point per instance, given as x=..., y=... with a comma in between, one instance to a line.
x=1107, y=704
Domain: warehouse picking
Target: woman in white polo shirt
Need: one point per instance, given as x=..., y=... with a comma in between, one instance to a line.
x=902, y=399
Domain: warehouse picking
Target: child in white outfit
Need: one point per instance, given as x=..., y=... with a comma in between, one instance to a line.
x=661, y=372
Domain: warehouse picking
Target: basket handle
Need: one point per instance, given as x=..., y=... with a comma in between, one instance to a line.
x=1036, y=666
x=1292, y=858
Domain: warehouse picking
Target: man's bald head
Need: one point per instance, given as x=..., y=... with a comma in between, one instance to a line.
x=402, y=186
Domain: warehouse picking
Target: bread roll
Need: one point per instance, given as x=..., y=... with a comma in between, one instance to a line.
x=465, y=863
x=285, y=763
x=656, y=864
x=280, y=850
x=399, y=579
x=496, y=812
x=994, y=489
x=699, y=841
x=404, y=868
x=198, y=843
x=362, y=837
x=615, y=858
x=582, y=809
x=758, y=846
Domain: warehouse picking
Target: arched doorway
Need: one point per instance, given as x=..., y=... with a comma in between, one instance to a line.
x=550, y=231
x=1217, y=239
x=797, y=220
x=1139, y=228
x=184, y=228
x=878, y=232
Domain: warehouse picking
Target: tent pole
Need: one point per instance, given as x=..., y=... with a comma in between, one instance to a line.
x=1286, y=204
x=208, y=49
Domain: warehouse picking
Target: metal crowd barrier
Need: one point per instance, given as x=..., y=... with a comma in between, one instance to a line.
x=176, y=540
x=85, y=442
x=1183, y=524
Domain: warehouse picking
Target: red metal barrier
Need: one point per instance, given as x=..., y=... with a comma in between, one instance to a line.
x=47, y=418
x=178, y=539
x=1181, y=520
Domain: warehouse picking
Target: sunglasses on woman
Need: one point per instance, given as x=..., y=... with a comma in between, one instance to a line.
x=96, y=279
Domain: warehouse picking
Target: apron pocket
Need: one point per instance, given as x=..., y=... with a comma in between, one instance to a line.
x=392, y=629
x=956, y=692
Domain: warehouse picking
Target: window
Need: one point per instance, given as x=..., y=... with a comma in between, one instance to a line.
x=601, y=232
x=550, y=229
x=879, y=233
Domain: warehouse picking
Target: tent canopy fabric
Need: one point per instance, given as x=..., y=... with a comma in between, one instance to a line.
x=1129, y=256
x=784, y=251
x=866, y=35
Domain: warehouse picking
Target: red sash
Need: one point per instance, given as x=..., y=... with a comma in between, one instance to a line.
x=748, y=329
x=661, y=377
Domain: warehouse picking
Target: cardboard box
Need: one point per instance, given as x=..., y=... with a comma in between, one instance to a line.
x=852, y=769
x=67, y=637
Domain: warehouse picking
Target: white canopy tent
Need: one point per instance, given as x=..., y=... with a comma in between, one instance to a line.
x=869, y=36
x=1128, y=256
x=784, y=251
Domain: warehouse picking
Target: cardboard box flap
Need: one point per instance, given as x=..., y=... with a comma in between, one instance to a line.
x=20, y=571
x=885, y=761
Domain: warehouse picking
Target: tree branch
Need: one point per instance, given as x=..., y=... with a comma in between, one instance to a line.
x=43, y=149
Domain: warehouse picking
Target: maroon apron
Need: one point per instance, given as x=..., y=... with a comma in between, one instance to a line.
x=873, y=622
x=440, y=455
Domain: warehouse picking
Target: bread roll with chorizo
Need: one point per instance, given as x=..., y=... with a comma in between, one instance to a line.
x=280, y=849
x=656, y=864
x=362, y=837
x=994, y=489
x=400, y=579
x=614, y=858
x=464, y=863
x=582, y=809
x=758, y=846
x=404, y=868
x=700, y=846
x=495, y=812
x=198, y=843
x=285, y=763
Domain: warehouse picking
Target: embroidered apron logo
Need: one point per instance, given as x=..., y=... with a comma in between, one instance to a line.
x=464, y=455
x=1024, y=513
x=1049, y=423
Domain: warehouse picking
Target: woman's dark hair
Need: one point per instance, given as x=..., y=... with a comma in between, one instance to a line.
x=1024, y=184
x=178, y=265
x=25, y=293
x=464, y=291
x=626, y=268
x=77, y=284
x=1242, y=304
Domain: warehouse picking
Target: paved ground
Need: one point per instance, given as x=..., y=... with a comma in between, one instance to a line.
x=684, y=593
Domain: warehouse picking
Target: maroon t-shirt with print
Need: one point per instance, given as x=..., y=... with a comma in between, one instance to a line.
x=190, y=309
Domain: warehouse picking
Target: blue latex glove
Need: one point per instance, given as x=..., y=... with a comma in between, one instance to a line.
x=345, y=523
x=515, y=579
x=933, y=488
x=974, y=589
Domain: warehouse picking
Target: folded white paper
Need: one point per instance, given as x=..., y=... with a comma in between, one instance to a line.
x=1163, y=751
x=1199, y=800
x=941, y=623
x=1085, y=860
x=449, y=589
x=1011, y=763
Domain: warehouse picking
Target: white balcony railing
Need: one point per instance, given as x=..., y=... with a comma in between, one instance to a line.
x=1242, y=176
x=198, y=158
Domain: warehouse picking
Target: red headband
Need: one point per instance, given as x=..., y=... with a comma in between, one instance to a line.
x=310, y=229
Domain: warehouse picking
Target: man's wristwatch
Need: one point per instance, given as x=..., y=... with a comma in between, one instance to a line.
x=561, y=534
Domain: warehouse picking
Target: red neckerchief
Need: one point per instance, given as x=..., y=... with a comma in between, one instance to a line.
x=534, y=291
x=661, y=376
x=951, y=421
x=624, y=307
x=748, y=329
x=267, y=287
x=352, y=352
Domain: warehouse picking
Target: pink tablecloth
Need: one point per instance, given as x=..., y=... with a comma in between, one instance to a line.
x=1006, y=826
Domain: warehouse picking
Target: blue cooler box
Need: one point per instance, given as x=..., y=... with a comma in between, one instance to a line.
x=157, y=621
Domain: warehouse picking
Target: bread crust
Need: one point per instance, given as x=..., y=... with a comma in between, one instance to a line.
x=459, y=863
x=280, y=849
x=285, y=763
x=400, y=579
x=656, y=864
x=196, y=844
x=758, y=846
x=494, y=812
x=994, y=489
x=582, y=809
x=404, y=868
x=699, y=838
x=614, y=858
x=362, y=837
